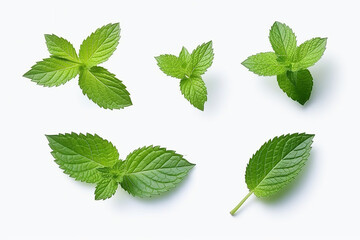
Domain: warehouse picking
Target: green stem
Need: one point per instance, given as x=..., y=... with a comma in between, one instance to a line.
x=240, y=203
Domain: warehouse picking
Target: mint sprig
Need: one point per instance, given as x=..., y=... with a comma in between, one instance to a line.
x=146, y=172
x=101, y=86
x=189, y=68
x=276, y=164
x=288, y=62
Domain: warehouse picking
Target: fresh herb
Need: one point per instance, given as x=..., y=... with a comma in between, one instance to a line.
x=189, y=68
x=145, y=172
x=276, y=164
x=288, y=62
x=101, y=86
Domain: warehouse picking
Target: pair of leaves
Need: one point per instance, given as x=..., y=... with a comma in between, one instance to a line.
x=288, y=61
x=101, y=86
x=189, y=68
x=146, y=172
x=276, y=164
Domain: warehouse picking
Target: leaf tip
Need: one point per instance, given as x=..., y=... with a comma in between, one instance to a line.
x=27, y=74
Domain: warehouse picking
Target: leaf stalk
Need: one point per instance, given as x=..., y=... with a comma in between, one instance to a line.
x=241, y=203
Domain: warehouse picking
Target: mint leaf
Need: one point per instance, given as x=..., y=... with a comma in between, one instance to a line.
x=81, y=155
x=152, y=171
x=289, y=62
x=297, y=85
x=189, y=68
x=100, y=45
x=53, y=72
x=103, y=88
x=146, y=172
x=194, y=90
x=201, y=59
x=308, y=53
x=105, y=188
x=264, y=64
x=283, y=40
x=276, y=164
x=171, y=66
x=61, y=48
x=185, y=58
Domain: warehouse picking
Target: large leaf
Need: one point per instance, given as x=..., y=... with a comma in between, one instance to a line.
x=53, y=71
x=80, y=155
x=152, y=171
x=103, y=88
x=277, y=163
x=100, y=45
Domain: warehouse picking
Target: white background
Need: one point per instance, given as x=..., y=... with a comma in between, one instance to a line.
x=243, y=111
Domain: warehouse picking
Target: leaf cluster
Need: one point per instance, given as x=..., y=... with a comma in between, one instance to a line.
x=189, y=68
x=146, y=172
x=64, y=64
x=288, y=62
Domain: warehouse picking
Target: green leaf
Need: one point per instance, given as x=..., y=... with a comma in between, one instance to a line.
x=152, y=171
x=81, y=155
x=105, y=188
x=185, y=56
x=264, y=64
x=100, y=45
x=61, y=48
x=103, y=88
x=171, y=66
x=201, y=59
x=53, y=71
x=276, y=164
x=297, y=85
x=308, y=53
x=194, y=90
x=283, y=40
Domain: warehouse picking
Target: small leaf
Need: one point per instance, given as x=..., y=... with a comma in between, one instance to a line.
x=100, y=45
x=276, y=164
x=81, y=155
x=185, y=56
x=194, y=90
x=103, y=88
x=152, y=171
x=283, y=40
x=53, y=71
x=201, y=59
x=171, y=66
x=264, y=64
x=308, y=53
x=61, y=48
x=105, y=188
x=297, y=85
